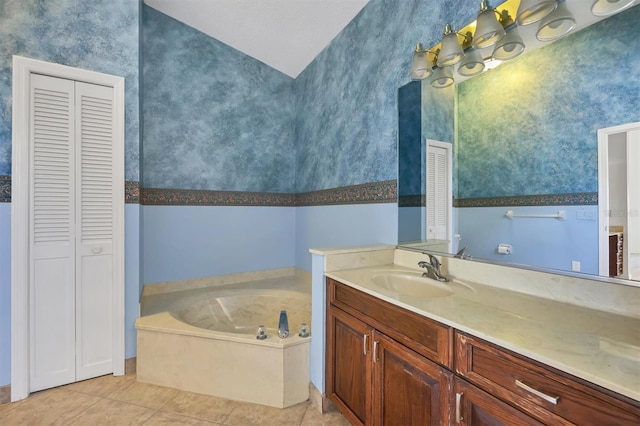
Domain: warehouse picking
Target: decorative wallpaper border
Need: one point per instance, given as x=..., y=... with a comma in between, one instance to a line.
x=198, y=197
x=131, y=192
x=368, y=193
x=570, y=199
x=5, y=189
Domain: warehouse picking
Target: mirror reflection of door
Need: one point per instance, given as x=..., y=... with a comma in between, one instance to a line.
x=438, y=194
x=619, y=199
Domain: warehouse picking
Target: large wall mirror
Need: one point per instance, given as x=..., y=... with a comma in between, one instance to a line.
x=546, y=156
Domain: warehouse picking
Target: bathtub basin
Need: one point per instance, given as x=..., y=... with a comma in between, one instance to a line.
x=204, y=341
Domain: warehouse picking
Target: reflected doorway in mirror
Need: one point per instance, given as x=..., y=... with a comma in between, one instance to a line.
x=619, y=201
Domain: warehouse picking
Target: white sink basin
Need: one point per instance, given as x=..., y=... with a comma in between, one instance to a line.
x=411, y=284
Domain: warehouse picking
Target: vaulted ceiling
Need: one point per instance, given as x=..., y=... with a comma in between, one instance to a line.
x=284, y=34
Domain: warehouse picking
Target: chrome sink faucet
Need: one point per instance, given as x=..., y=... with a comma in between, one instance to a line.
x=433, y=269
x=462, y=253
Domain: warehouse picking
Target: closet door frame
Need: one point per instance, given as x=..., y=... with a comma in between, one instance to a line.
x=20, y=184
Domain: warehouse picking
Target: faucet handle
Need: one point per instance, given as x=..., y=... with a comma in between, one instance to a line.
x=434, y=261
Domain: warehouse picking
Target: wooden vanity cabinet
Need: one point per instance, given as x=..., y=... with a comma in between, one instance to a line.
x=408, y=389
x=545, y=394
x=476, y=407
x=389, y=366
x=376, y=379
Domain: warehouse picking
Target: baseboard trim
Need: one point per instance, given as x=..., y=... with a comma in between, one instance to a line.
x=5, y=391
x=130, y=365
x=5, y=394
x=320, y=402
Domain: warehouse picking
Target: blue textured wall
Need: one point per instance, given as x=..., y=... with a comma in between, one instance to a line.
x=410, y=160
x=98, y=36
x=347, y=97
x=530, y=126
x=213, y=118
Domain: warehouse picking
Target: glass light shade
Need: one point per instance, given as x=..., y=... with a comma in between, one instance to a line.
x=509, y=47
x=556, y=24
x=609, y=7
x=420, y=66
x=442, y=77
x=531, y=11
x=472, y=64
x=451, y=52
x=488, y=29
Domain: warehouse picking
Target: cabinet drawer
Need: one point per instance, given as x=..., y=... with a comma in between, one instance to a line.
x=546, y=394
x=427, y=337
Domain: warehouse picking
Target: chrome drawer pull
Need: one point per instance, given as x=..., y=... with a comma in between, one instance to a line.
x=365, y=344
x=458, y=406
x=548, y=398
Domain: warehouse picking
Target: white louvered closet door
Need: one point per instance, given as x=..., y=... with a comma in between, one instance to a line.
x=437, y=193
x=52, y=275
x=71, y=280
x=94, y=230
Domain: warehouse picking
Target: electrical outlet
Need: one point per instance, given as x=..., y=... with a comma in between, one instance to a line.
x=584, y=215
x=575, y=265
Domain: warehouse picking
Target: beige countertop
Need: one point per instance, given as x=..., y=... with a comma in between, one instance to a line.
x=597, y=346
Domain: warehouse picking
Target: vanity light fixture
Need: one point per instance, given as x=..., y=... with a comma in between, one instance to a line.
x=556, y=24
x=510, y=46
x=531, y=11
x=494, y=36
x=451, y=51
x=488, y=30
x=609, y=7
x=442, y=77
x=421, y=66
x=472, y=64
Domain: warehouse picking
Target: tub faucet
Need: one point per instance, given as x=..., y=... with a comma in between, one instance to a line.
x=433, y=269
x=283, y=325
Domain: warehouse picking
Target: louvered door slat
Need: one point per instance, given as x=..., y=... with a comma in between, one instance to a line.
x=52, y=157
x=96, y=162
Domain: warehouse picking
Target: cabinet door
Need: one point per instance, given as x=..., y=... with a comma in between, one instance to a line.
x=474, y=407
x=408, y=389
x=349, y=365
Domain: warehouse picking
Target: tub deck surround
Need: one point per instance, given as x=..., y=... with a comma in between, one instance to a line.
x=203, y=340
x=258, y=278
x=596, y=345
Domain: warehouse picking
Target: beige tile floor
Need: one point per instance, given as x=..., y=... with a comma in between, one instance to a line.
x=111, y=400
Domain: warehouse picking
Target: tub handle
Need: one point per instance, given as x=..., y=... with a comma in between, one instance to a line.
x=365, y=344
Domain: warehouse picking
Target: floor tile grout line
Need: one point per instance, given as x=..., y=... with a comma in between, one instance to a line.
x=84, y=410
x=150, y=417
x=191, y=416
